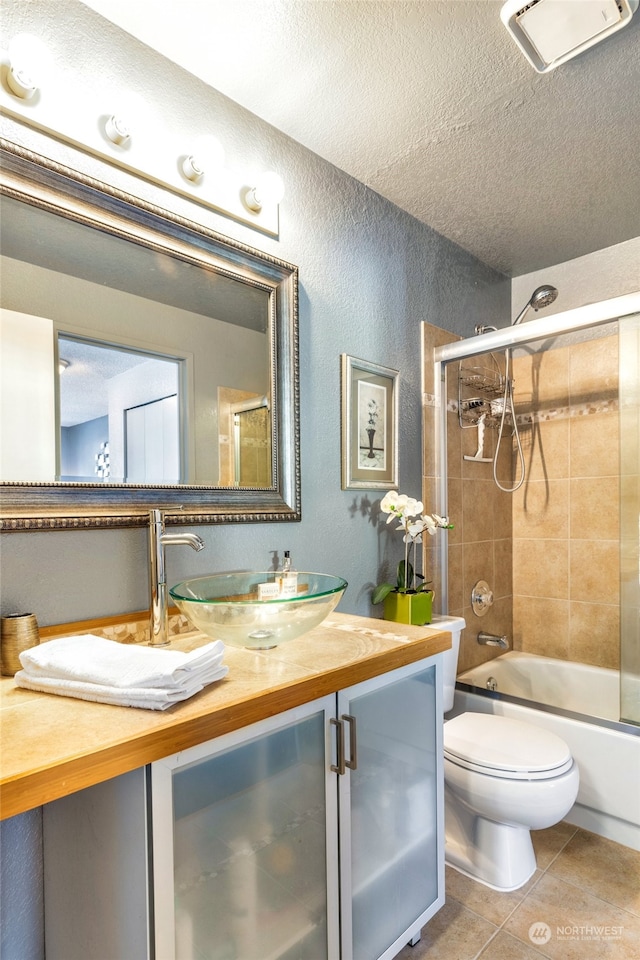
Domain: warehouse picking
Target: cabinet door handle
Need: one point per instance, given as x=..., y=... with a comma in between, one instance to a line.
x=352, y=762
x=338, y=766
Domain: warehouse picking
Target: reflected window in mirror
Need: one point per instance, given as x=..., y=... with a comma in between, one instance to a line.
x=62, y=278
x=123, y=399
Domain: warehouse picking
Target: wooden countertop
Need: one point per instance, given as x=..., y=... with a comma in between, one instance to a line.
x=52, y=746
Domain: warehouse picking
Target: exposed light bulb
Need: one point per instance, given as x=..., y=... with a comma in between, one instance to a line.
x=29, y=63
x=116, y=129
x=21, y=83
x=128, y=117
x=207, y=156
x=269, y=189
x=192, y=168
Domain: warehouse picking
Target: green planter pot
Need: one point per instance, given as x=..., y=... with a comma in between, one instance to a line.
x=412, y=608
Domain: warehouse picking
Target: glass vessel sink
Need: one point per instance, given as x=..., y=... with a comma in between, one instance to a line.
x=227, y=606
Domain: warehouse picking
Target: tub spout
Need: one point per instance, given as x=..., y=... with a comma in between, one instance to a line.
x=492, y=640
x=158, y=539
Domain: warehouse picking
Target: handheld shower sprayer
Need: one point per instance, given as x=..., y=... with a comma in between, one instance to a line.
x=540, y=298
x=504, y=406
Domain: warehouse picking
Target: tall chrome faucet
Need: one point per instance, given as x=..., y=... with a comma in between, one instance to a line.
x=158, y=539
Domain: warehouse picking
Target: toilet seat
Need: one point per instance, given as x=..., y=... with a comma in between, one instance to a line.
x=505, y=748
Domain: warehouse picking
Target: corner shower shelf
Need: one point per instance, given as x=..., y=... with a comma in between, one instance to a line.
x=477, y=388
x=481, y=379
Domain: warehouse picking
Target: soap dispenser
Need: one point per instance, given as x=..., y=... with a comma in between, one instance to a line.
x=288, y=577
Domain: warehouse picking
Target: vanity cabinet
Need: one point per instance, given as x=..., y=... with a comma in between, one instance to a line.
x=316, y=833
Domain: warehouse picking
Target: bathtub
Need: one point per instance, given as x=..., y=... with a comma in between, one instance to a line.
x=580, y=704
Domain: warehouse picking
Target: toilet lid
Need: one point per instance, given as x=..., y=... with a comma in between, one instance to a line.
x=503, y=747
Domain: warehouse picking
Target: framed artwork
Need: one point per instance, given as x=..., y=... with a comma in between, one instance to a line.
x=369, y=401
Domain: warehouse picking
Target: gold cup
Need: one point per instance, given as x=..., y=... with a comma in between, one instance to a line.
x=19, y=632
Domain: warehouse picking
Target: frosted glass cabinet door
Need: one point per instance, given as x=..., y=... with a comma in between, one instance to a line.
x=391, y=811
x=240, y=845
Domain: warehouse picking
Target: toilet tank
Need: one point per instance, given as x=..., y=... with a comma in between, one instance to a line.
x=450, y=658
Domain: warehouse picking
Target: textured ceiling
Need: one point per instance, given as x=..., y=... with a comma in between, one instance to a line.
x=431, y=104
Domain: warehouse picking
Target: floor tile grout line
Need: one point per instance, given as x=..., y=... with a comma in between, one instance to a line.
x=485, y=945
x=520, y=902
x=563, y=847
x=479, y=916
x=589, y=892
x=543, y=870
x=475, y=913
x=478, y=956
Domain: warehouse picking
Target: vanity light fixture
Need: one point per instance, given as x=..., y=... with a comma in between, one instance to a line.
x=117, y=130
x=62, y=365
x=269, y=189
x=117, y=124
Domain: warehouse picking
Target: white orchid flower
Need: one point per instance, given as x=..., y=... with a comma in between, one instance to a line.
x=414, y=531
x=430, y=525
x=399, y=505
x=441, y=521
x=389, y=501
x=406, y=506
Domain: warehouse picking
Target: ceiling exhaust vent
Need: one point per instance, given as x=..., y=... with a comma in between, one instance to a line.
x=549, y=32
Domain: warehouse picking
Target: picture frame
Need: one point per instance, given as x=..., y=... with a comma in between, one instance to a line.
x=369, y=413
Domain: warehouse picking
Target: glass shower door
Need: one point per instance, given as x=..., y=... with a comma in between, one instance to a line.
x=565, y=546
x=629, y=520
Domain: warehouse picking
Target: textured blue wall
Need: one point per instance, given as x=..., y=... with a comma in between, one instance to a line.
x=369, y=274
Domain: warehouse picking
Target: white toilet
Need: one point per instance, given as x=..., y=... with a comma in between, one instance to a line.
x=503, y=778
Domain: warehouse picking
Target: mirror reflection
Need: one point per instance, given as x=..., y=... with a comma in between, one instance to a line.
x=122, y=345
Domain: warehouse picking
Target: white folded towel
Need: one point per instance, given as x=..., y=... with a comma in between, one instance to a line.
x=150, y=698
x=91, y=659
x=127, y=675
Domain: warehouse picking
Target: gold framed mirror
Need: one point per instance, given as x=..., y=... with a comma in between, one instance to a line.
x=133, y=344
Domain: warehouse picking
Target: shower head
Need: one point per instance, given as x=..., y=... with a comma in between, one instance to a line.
x=543, y=296
x=540, y=298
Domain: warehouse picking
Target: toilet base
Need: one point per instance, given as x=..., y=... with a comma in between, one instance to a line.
x=485, y=883
x=499, y=855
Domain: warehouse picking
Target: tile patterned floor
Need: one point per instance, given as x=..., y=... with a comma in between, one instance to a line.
x=583, y=902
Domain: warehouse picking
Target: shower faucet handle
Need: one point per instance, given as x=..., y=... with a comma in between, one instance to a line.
x=481, y=598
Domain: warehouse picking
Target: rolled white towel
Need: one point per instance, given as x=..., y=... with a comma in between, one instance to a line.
x=91, y=659
x=148, y=698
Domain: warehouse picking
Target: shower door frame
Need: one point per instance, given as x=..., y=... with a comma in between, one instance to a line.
x=557, y=324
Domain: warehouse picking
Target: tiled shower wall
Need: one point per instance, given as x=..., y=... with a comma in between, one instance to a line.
x=566, y=566
x=550, y=551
